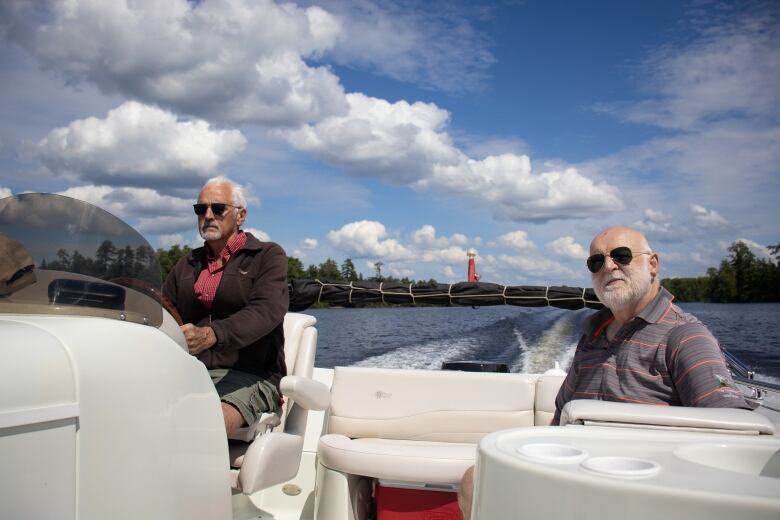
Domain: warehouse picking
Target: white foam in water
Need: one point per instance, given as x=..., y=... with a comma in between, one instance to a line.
x=553, y=345
x=524, y=352
x=425, y=356
x=565, y=359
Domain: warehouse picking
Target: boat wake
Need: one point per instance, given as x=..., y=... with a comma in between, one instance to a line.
x=555, y=345
x=530, y=342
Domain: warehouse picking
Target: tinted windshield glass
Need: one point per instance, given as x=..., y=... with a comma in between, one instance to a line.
x=65, y=256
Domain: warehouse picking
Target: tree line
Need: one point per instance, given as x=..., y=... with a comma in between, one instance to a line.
x=328, y=270
x=741, y=277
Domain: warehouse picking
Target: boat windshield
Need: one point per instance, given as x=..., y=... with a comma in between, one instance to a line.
x=63, y=256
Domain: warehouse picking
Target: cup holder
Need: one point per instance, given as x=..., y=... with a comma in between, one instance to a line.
x=623, y=467
x=550, y=453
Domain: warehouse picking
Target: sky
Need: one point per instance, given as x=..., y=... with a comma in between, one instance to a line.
x=408, y=132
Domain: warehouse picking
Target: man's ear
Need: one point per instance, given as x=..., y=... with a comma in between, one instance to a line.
x=241, y=217
x=655, y=264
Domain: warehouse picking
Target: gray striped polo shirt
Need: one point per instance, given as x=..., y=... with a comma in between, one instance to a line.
x=664, y=356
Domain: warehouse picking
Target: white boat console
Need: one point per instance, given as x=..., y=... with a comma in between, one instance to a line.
x=618, y=472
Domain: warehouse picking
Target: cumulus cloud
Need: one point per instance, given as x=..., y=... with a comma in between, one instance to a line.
x=138, y=145
x=567, y=247
x=239, y=61
x=309, y=243
x=507, y=184
x=757, y=249
x=304, y=247
x=403, y=143
x=5, y=192
x=451, y=255
x=259, y=234
x=397, y=142
x=707, y=217
x=517, y=240
x=367, y=238
x=426, y=237
x=246, y=61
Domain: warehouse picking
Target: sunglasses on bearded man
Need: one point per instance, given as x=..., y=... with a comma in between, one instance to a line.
x=217, y=208
x=622, y=255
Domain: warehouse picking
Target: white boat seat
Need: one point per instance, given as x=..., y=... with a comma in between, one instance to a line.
x=423, y=425
x=715, y=420
x=394, y=459
x=276, y=440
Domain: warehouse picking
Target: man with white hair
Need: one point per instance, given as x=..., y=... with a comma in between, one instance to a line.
x=641, y=348
x=232, y=296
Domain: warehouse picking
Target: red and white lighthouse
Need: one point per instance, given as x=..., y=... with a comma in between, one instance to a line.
x=473, y=275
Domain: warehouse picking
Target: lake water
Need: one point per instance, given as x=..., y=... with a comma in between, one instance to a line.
x=526, y=339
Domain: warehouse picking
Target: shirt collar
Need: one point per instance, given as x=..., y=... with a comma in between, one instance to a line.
x=234, y=244
x=656, y=309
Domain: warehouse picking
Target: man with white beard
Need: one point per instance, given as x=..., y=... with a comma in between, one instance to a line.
x=642, y=348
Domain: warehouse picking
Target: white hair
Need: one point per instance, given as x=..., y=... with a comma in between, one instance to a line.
x=236, y=190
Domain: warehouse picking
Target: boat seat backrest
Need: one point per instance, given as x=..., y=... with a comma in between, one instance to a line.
x=300, y=348
x=300, y=342
x=428, y=405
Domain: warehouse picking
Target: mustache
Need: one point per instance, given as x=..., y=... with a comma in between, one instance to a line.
x=611, y=278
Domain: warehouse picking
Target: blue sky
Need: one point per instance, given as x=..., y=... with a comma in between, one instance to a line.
x=408, y=132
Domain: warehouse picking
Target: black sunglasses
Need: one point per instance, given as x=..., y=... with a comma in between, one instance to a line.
x=621, y=255
x=217, y=208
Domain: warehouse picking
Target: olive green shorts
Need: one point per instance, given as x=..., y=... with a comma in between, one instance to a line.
x=251, y=395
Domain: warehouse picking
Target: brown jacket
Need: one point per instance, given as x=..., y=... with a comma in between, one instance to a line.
x=248, y=309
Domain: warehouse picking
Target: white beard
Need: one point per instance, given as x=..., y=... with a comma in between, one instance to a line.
x=624, y=295
x=210, y=233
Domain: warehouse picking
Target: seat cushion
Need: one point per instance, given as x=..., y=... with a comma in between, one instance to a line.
x=394, y=459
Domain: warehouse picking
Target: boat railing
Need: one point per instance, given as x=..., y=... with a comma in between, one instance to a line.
x=737, y=367
x=746, y=377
